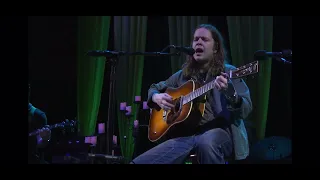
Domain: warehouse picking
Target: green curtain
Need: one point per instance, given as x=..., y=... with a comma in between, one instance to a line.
x=181, y=34
x=248, y=34
x=130, y=36
x=93, y=34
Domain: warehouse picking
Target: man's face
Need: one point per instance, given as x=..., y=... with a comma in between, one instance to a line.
x=203, y=44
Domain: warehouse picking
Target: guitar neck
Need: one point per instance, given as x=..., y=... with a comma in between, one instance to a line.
x=198, y=92
x=36, y=132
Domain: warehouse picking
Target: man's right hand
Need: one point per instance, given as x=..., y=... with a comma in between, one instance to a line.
x=164, y=100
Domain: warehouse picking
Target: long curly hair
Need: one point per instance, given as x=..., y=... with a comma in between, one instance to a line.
x=215, y=65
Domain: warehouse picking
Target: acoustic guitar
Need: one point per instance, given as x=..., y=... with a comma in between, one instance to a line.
x=187, y=108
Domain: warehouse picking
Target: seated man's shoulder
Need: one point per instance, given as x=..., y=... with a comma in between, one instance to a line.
x=229, y=67
x=178, y=72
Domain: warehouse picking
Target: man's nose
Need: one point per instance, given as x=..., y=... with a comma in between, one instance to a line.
x=199, y=42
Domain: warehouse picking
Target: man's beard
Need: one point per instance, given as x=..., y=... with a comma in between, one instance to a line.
x=203, y=65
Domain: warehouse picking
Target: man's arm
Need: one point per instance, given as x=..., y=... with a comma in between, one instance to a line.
x=40, y=119
x=238, y=97
x=160, y=87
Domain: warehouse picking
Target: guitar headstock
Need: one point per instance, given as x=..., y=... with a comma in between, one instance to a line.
x=68, y=123
x=245, y=70
x=69, y=126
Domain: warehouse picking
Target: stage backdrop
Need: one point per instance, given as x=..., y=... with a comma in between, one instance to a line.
x=66, y=83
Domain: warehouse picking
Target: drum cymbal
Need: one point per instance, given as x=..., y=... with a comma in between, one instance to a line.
x=272, y=148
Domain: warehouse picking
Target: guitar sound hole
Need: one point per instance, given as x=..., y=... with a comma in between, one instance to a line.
x=177, y=104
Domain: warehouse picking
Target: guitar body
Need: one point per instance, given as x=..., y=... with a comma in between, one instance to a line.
x=168, y=122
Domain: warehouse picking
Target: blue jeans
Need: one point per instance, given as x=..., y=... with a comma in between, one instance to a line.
x=211, y=147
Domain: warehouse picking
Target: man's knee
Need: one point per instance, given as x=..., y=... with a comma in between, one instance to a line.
x=214, y=136
x=216, y=140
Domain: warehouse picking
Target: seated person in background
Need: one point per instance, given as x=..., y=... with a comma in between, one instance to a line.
x=37, y=120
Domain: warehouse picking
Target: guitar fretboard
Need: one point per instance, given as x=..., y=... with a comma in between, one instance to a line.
x=198, y=92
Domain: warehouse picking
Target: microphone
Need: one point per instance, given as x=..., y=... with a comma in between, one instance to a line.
x=264, y=53
x=188, y=50
x=105, y=53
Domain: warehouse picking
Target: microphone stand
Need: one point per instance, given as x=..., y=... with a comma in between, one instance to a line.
x=279, y=56
x=283, y=60
x=111, y=109
x=112, y=57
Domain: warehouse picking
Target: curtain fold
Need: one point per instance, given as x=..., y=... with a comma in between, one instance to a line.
x=130, y=36
x=248, y=34
x=93, y=34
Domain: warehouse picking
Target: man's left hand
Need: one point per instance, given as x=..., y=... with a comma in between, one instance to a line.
x=221, y=82
x=45, y=134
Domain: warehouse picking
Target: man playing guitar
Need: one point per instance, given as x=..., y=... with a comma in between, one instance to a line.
x=214, y=128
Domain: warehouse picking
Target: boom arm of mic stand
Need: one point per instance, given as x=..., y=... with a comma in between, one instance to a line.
x=107, y=54
x=113, y=55
x=153, y=54
x=168, y=47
